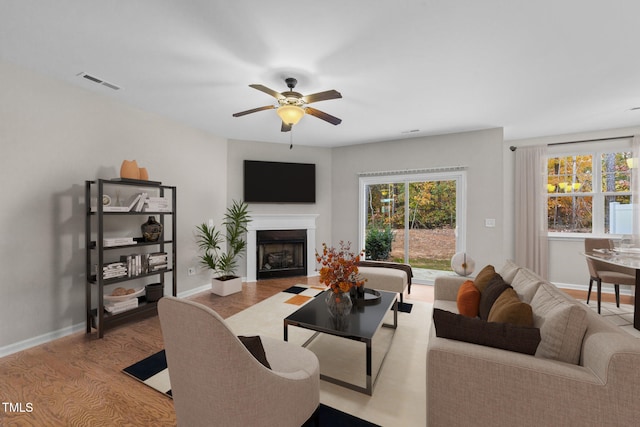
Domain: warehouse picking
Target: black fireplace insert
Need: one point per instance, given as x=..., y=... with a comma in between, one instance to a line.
x=281, y=253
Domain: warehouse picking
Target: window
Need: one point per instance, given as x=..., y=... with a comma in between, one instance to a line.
x=589, y=190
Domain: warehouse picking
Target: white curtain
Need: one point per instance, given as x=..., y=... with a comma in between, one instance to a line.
x=635, y=188
x=531, y=243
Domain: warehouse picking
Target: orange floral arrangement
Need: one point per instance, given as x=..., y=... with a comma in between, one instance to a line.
x=339, y=267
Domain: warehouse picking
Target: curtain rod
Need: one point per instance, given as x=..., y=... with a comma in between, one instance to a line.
x=513, y=148
x=413, y=171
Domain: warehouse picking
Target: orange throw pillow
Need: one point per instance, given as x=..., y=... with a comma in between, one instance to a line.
x=468, y=299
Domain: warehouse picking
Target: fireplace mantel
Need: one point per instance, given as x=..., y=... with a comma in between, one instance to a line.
x=280, y=222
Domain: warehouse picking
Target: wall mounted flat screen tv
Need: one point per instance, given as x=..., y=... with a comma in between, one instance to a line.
x=278, y=182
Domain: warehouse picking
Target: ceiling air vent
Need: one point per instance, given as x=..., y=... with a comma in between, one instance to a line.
x=98, y=81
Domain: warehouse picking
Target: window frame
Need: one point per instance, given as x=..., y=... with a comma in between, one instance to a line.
x=596, y=149
x=457, y=174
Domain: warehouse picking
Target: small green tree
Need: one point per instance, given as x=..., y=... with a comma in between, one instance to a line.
x=209, y=240
x=378, y=243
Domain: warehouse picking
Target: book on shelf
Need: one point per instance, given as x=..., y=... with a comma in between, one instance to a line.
x=141, y=200
x=157, y=204
x=117, y=241
x=134, y=264
x=133, y=202
x=120, y=306
x=137, y=264
x=157, y=261
x=114, y=270
x=115, y=209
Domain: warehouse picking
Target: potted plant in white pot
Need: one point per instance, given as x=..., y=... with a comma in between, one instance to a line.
x=224, y=263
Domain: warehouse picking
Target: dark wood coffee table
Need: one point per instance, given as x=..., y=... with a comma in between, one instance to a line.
x=360, y=325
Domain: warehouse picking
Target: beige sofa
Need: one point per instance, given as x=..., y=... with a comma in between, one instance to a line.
x=471, y=384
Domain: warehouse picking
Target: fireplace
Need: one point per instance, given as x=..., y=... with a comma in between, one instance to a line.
x=281, y=253
x=299, y=227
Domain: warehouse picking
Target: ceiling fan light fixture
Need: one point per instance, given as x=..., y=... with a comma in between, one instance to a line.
x=290, y=114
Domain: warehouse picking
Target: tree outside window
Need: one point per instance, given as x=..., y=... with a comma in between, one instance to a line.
x=589, y=193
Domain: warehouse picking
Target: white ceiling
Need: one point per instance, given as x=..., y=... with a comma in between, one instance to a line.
x=405, y=68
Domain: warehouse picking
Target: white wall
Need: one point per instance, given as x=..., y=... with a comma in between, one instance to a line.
x=54, y=136
x=480, y=152
x=239, y=151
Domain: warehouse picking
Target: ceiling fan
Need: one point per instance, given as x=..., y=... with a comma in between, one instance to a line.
x=292, y=106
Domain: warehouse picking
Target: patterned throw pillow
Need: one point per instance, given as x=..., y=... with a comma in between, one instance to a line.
x=477, y=331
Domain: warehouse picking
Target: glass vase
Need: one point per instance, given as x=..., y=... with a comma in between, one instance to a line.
x=339, y=304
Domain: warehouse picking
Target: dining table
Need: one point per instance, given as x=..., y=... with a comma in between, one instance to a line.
x=625, y=257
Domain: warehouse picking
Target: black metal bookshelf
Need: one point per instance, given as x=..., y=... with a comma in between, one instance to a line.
x=98, y=219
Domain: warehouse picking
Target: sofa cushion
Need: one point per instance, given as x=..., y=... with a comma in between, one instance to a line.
x=484, y=276
x=468, y=300
x=508, y=271
x=526, y=283
x=477, y=331
x=490, y=294
x=562, y=325
x=509, y=309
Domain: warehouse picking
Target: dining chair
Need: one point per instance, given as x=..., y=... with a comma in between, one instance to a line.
x=603, y=272
x=216, y=381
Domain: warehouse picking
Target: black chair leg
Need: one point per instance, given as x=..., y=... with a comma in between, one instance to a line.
x=617, y=289
x=599, y=283
x=590, y=286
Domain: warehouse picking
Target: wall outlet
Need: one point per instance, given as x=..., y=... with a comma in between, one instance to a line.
x=191, y=271
x=489, y=222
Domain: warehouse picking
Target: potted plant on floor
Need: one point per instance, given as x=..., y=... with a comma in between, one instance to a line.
x=224, y=263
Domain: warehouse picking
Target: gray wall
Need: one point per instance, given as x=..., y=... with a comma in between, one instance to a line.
x=480, y=152
x=54, y=136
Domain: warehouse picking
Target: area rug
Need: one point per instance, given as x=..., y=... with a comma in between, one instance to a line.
x=400, y=390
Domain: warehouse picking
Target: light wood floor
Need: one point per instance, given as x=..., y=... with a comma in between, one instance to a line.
x=77, y=380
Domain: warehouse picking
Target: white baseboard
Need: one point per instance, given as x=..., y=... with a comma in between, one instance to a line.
x=606, y=288
x=40, y=339
x=191, y=292
x=60, y=333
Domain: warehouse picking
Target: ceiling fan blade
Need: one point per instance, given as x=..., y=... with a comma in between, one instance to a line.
x=322, y=96
x=261, y=88
x=285, y=127
x=255, y=110
x=324, y=116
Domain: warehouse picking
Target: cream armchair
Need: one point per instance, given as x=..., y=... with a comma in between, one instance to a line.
x=216, y=381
